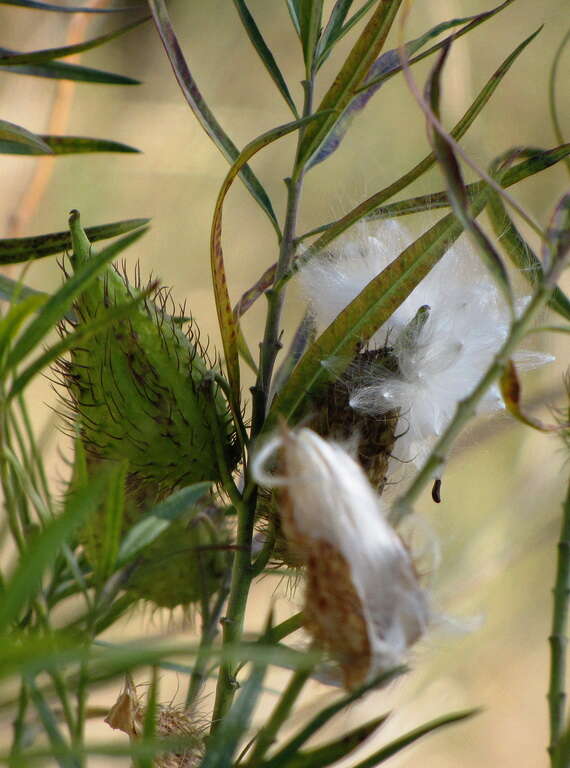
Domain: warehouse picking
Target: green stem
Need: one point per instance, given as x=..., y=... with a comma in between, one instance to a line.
x=209, y=631
x=275, y=295
x=19, y=726
x=466, y=408
x=267, y=735
x=558, y=642
x=242, y=575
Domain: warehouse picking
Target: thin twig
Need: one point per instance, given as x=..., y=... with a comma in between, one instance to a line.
x=558, y=642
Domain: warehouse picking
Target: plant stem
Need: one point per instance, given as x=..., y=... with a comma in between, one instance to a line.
x=266, y=736
x=242, y=574
x=275, y=295
x=209, y=631
x=558, y=641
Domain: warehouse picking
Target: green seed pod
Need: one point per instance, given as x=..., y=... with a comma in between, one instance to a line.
x=141, y=389
x=185, y=564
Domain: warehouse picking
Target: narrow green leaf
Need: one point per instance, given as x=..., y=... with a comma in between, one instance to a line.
x=333, y=27
x=455, y=185
x=157, y=520
x=330, y=753
x=356, y=67
x=64, y=145
x=293, y=8
x=227, y=320
x=20, y=137
x=113, y=521
x=9, y=59
x=40, y=6
x=60, y=302
x=20, y=249
x=310, y=17
x=368, y=206
x=264, y=53
x=201, y=110
x=14, y=291
x=419, y=42
x=60, y=71
x=555, y=252
x=289, y=751
x=552, y=78
x=409, y=738
x=16, y=315
x=520, y=252
x=324, y=50
x=25, y=581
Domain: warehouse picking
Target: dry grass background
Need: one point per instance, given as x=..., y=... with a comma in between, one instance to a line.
x=498, y=522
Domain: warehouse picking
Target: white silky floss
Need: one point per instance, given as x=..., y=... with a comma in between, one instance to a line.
x=331, y=500
x=467, y=323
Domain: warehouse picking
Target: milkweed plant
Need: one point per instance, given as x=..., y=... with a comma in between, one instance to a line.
x=184, y=488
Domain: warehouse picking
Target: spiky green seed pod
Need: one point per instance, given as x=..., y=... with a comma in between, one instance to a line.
x=138, y=387
x=184, y=565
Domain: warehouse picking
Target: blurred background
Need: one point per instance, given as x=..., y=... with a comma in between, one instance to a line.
x=498, y=523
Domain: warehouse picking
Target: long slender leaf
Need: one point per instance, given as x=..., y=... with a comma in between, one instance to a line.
x=282, y=757
x=520, y=252
x=226, y=318
x=324, y=51
x=409, y=738
x=201, y=110
x=357, y=65
x=264, y=53
x=310, y=17
x=60, y=71
x=26, y=579
x=15, y=317
x=20, y=137
x=386, y=66
x=474, y=21
x=293, y=8
x=8, y=59
x=60, y=302
x=370, y=206
x=157, y=520
x=64, y=145
x=40, y=6
x=333, y=27
x=14, y=292
x=330, y=753
x=455, y=185
x=20, y=249
x=537, y=161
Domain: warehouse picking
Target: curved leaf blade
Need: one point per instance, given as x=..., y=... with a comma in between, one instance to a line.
x=356, y=67
x=65, y=145
x=41, y=6
x=157, y=520
x=60, y=71
x=227, y=320
x=511, y=392
x=21, y=249
x=201, y=111
x=20, y=137
x=41, y=57
x=412, y=736
x=265, y=54
x=521, y=254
